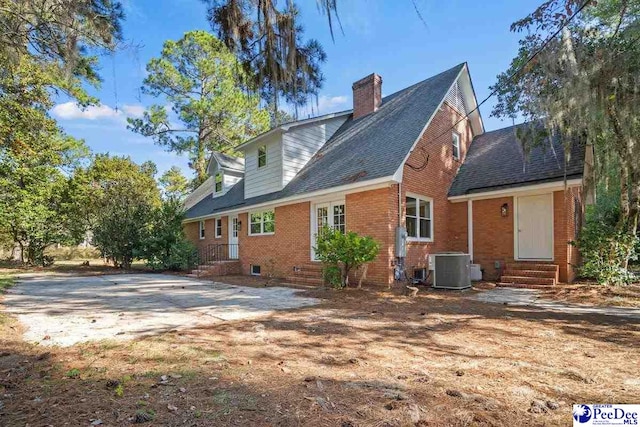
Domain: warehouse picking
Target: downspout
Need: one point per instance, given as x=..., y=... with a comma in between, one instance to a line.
x=399, y=204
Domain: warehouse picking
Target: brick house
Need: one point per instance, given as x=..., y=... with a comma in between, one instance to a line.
x=419, y=159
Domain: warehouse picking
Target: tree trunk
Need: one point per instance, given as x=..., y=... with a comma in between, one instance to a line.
x=345, y=275
x=634, y=200
x=363, y=276
x=201, y=161
x=625, y=207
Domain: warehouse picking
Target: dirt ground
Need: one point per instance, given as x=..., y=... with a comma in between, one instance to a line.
x=592, y=293
x=361, y=358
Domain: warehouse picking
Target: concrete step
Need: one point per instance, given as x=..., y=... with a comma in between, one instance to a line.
x=532, y=266
x=528, y=280
x=521, y=285
x=530, y=273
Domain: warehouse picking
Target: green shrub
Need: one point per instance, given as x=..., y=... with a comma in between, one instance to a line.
x=332, y=275
x=344, y=251
x=605, y=248
x=165, y=246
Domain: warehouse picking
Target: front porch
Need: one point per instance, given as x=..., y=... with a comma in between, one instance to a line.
x=218, y=259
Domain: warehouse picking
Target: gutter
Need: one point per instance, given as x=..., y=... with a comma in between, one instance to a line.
x=347, y=189
x=506, y=191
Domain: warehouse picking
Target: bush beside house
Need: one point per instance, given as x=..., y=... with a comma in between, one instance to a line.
x=341, y=253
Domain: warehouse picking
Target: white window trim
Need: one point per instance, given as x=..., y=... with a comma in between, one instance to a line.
x=252, y=272
x=215, y=191
x=424, y=199
x=215, y=224
x=455, y=136
x=266, y=157
x=262, y=233
x=201, y=229
x=314, y=219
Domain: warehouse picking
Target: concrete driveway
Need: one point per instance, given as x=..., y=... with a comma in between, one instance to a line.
x=64, y=309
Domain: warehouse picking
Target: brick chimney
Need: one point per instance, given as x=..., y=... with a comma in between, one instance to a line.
x=367, y=95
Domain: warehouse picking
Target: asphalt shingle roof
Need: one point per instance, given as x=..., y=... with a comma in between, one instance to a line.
x=229, y=162
x=497, y=160
x=363, y=149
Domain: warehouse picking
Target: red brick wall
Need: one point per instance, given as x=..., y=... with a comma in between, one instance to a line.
x=278, y=253
x=434, y=180
x=492, y=235
x=564, y=216
x=191, y=230
x=375, y=213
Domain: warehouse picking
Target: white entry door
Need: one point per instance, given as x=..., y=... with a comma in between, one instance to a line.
x=233, y=237
x=326, y=214
x=534, y=227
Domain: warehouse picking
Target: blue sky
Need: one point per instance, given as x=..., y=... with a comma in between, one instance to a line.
x=382, y=36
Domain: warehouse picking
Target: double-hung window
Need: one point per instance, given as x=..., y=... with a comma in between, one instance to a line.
x=201, y=229
x=218, y=182
x=419, y=218
x=262, y=223
x=262, y=156
x=455, y=141
x=218, y=228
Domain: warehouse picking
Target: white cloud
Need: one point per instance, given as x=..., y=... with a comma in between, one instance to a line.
x=329, y=104
x=71, y=111
x=133, y=110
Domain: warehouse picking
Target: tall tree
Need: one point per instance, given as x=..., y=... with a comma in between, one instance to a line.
x=585, y=84
x=121, y=197
x=174, y=184
x=269, y=41
x=199, y=78
x=33, y=188
x=48, y=46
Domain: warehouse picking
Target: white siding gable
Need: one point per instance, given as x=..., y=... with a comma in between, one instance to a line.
x=267, y=179
x=455, y=98
x=302, y=142
x=229, y=179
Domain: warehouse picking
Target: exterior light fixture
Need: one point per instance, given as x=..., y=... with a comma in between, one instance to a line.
x=504, y=210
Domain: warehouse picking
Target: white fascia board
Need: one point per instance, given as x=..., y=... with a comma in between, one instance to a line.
x=285, y=127
x=513, y=191
x=400, y=171
x=340, y=191
x=259, y=138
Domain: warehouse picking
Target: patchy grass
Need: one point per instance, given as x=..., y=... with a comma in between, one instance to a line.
x=362, y=358
x=594, y=294
x=78, y=266
x=6, y=281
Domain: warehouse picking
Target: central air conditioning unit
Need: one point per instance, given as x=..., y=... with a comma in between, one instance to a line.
x=451, y=270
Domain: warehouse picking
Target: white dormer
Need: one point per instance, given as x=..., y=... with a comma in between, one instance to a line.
x=274, y=158
x=224, y=171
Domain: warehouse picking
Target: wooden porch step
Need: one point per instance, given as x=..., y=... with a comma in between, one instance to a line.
x=524, y=280
x=531, y=273
x=531, y=266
